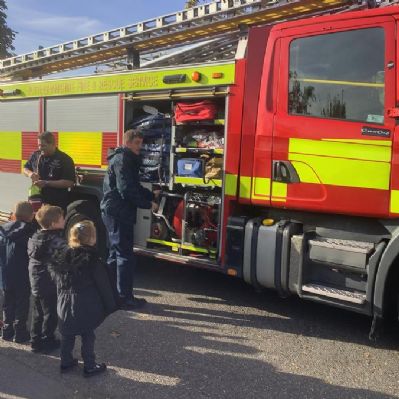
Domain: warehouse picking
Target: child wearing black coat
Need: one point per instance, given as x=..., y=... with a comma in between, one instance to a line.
x=14, y=262
x=85, y=297
x=41, y=249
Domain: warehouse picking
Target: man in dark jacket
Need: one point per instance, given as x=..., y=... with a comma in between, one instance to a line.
x=123, y=194
x=14, y=261
x=42, y=249
x=51, y=170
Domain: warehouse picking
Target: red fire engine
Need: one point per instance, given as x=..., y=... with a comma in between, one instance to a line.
x=284, y=174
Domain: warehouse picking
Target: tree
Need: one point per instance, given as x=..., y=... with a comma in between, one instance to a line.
x=7, y=35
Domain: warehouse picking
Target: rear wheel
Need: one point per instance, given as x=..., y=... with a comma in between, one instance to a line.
x=87, y=210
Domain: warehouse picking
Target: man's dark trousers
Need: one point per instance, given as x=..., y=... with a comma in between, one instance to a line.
x=15, y=311
x=121, y=260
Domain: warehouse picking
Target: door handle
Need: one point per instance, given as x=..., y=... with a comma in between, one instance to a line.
x=284, y=172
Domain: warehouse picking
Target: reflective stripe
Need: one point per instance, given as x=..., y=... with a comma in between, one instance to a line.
x=245, y=187
x=279, y=192
x=305, y=172
x=11, y=145
x=125, y=82
x=198, y=181
x=230, y=187
x=386, y=143
x=364, y=151
x=261, y=188
x=84, y=147
x=342, y=162
x=345, y=172
x=394, y=204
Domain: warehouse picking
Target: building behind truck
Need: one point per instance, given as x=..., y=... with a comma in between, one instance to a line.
x=279, y=167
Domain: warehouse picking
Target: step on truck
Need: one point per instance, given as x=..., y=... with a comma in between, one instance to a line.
x=280, y=167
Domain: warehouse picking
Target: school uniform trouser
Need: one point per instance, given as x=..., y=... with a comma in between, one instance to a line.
x=87, y=349
x=15, y=311
x=44, y=317
x=121, y=260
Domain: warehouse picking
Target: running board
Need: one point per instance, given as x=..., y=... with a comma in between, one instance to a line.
x=342, y=295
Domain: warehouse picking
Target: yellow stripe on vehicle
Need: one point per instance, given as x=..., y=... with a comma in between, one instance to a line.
x=279, y=192
x=84, y=147
x=245, y=187
x=394, y=203
x=339, y=149
x=230, y=185
x=305, y=172
x=384, y=143
x=125, y=82
x=261, y=188
x=198, y=181
x=345, y=172
x=11, y=145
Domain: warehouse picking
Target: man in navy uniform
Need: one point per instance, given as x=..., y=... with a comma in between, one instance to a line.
x=51, y=170
x=123, y=194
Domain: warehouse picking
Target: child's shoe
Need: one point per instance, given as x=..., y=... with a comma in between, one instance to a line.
x=21, y=337
x=64, y=368
x=97, y=369
x=7, y=333
x=50, y=344
x=36, y=347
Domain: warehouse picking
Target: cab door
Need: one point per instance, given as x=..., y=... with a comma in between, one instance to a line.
x=332, y=137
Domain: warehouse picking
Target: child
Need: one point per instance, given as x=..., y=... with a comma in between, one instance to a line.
x=85, y=297
x=14, y=262
x=42, y=248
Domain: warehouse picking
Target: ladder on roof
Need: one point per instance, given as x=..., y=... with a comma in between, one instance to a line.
x=202, y=22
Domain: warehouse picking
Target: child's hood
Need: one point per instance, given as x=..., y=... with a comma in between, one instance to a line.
x=15, y=230
x=45, y=242
x=73, y=259
x=80, y=255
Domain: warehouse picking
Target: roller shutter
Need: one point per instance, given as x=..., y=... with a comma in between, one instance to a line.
x=82, y=114
x=19, y=116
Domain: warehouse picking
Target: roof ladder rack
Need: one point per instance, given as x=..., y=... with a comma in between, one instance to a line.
x=188, y=26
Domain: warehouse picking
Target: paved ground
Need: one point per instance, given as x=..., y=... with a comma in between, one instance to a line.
x=204, y=335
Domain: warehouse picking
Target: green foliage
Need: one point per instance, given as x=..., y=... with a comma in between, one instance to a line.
x=7, y=35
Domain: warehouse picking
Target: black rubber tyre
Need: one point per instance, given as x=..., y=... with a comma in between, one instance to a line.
x=87, y=210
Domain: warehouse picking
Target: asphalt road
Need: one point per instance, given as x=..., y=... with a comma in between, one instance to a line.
x=205, y=335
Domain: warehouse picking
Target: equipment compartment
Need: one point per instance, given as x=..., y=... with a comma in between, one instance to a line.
x=185, y=160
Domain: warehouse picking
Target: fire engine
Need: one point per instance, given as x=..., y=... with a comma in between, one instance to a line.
x=279, y=166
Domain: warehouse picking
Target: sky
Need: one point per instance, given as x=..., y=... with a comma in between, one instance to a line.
x=50, y=22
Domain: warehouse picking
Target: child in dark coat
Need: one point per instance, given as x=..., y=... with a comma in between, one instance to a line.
x=14, y=262
x=85, y=297
x=42, y=248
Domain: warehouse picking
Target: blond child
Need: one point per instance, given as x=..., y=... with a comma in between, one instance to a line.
x=85, y=297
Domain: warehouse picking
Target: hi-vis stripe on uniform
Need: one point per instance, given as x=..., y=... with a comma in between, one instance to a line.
x=338, y=162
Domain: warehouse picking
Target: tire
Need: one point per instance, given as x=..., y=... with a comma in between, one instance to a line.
x=87, y=210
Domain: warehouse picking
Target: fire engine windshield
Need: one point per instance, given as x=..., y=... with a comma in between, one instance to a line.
x=339, y=75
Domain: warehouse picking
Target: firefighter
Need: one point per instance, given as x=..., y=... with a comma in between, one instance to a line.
x=123, y=194
x=51, y=170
